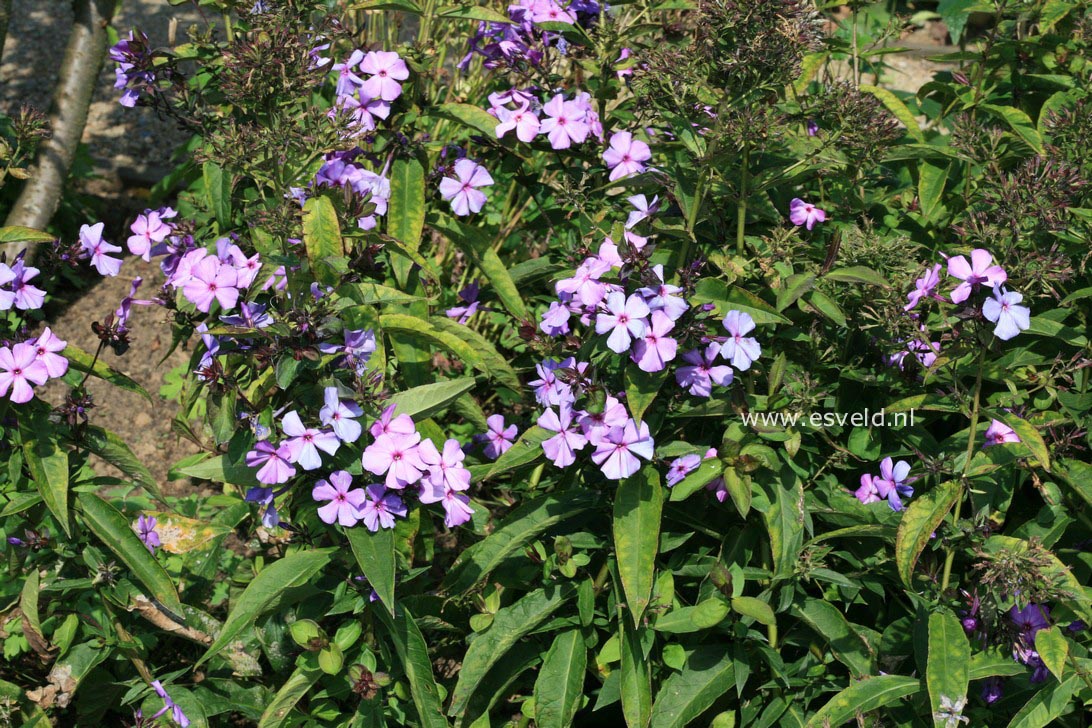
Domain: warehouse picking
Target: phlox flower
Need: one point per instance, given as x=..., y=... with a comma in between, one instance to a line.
x=304, y=443
x=462, y=189
x=145, y=528
x=99, y=250
x=597, y=425
x=662, y=296
x=47, y=348
x=278, y=280
x=396, y=455
x=867, y=493
x=701, y=373
x=265, y=497
x=625, y=156
x=555, y=320
x=617, y=454
x=924, y=286
x=389, y=424
x=980, y=271
x=340, y=416
x=1004, y=310
x=565, y=122
x=124, y=309
x=608, y=254
x=739, y=349
x=345, y=503
x=274, y=462
x=681, y=467
x=7, y=298
x=386, y=69
x=624, y=319
x=21, y=295
x=362, y=111
x=642, y=209
x=804, y=213
x=348, y=82
x=20, y=371
x=381, y=507
x=250, y=316
x=211, y=280
x=497, y=438
x=549, y=389
x=457, y=510
x=893, y=483
x=653, y=350
x=999, y=433
x=357, y=349
x=561, y=448
x=549, y=11
x=523, y=120
x=149, y=229
x=585, y=285
x=169, y=705
x=469, y=296
x=246, y=269
x=445, y=468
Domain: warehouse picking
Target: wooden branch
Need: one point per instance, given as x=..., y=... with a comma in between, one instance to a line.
x=5, y=18
x=83, y=59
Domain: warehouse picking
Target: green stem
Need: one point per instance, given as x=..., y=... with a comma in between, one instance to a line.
x=741, y=205
x=227, y=27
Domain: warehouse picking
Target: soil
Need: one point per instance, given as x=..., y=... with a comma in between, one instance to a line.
x=130, y=149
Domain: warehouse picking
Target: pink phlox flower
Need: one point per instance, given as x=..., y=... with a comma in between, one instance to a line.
x=999, y=433
x=380, y=508
x=565, y=122
x=211, y=280
x=340, y=416
x=20, y=371
x=445, y=468
x=1004, y=310
x=47, y=348
x=980, y=271
x=457, y=510
x=498, y=438
x=585, y=284
x=625, y=156
x=597, y=425
x=739, y=349
x=663, y=296
x=305, y=442
x=555, y=320
x=345, y=501
x=624, y=318
x=805, y=213
x=867, y=493
x=618, y=454
x=462, y=189
x=99, y=249
x=924, y=286
x=561, y=448
x=273, y=462
x=397, y=455
x=681, y=467
x=643, y=209
x=523, y=120
x=149, y=230
x=656, y=348
x=348, y=83
x=702, y=372
x=386, y=69
x=389, y=424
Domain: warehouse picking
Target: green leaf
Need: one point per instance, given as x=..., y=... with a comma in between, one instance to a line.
x=707, y=675
x=1078, y=476
x=793, y=288
x=428, y=399
x=412, y=650
x=733, y=298
x=863, y=696
x=931, y=180
x=524, y=451
x=683, y=620
x=559, y=688
x=263, y=591
x=115, y=531
x=111, y=448
x=785, y=521
x=1030, y=438
x=918, y=523
x=18, y=234
x=993, y=663
x=858, y=274
x=897, y=108
x=322, y=237
x=948, y=669
x=641, y=388
x=470, y=116
x=826, y=305
x=638, y=504
x=1053, y=648
x=509, y=625
x=48, y=465
x=845, y=641
x=739, y=490
x=368, y=293
x=218, y=193
x=294, y=688
x=397, y=247
x=1048, y=704
x=635, y=679
x=374, y=553
x=756, y=609
x=220, y=470
x=1019, y=122
x=489, y=361
x=81, y=361
x=406, y=208
x=709, y=470
x=474, y=12
x=476, y=245
x=522, y=525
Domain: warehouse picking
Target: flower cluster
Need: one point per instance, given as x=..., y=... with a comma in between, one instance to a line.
x=517, y=42
x=15, y=290
x=892, y=484
x=30, y=363
x=221, y=278
x=135, y=72
x=366, y=85
x=563, y=123
x=373, y=189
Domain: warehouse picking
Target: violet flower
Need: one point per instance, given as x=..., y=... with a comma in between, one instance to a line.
x=385, y=69
x=274, y=463
x=998, y=433
x=462, y=189
x=498, y=438
x=457, y=510
x=47, y=348
x=894, y=483
x=867, y=493
x=698, y=378
x=340, y=416
x=980, y=271
x=169, y=705
x=99, y=249
x=625, y=156
x=304, y=443
x=656, y=348
x=212, y=280
x=381, y=507
x=22, y=295
x=597, y=425
x=624, y=319
x=396, y=455
x=681, y=467
x=805, y=213
x=565, y=122
x=388, y=424
x=740, y=350
x=561, y=448
x=1004, y=310
x=145, y=528
x=524, y=121
x=149, y=230
x=20, y=371
x=617, y=454
x=344, y=503
x=469, y=296
x=924, y=286
x=445, y=468
x=643, y=209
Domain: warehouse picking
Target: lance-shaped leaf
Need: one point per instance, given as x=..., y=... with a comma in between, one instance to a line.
x=919, y=521
x=559, y=688
x=374, y=554
x=707, y=674
x=948, y=669
x=638, y=505
x=863, y=696
x=412, y=650
x=322, y=237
